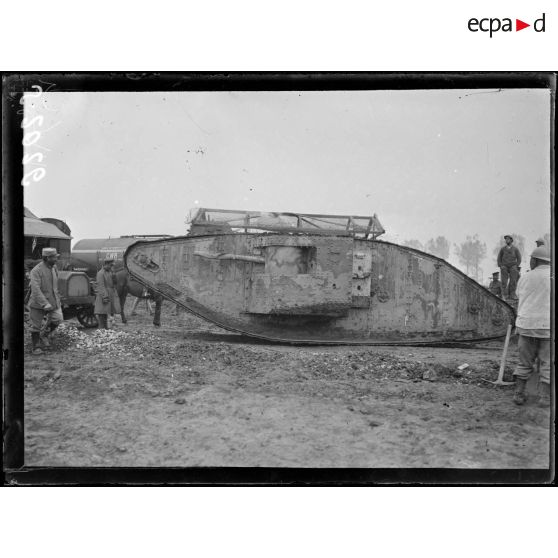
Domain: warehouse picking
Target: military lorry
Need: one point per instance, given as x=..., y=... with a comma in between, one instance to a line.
x=77, y=295
x=88, y=254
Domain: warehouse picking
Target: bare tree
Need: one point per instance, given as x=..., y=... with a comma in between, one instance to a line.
x=470, y=254
x=413, y=243
x=439, y=246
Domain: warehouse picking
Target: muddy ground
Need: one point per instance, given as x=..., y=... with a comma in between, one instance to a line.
x=191, y=394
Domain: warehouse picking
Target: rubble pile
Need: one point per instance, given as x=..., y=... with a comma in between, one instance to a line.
x=107, y=341
x=358, y=365
x=244, y=361
x=362, y=365
x=220, y=355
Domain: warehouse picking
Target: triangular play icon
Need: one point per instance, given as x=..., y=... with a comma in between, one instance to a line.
x=519, y=25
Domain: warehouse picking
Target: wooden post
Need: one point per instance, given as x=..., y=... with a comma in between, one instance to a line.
x=504, y=354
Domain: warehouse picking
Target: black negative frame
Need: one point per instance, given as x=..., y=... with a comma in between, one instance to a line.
x=14, y=85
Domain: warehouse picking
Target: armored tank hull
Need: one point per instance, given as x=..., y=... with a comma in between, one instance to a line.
x=316, y=288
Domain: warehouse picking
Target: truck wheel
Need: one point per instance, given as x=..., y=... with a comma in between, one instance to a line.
x=87, y=318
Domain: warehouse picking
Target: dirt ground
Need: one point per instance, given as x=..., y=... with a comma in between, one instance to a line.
x=191, y=394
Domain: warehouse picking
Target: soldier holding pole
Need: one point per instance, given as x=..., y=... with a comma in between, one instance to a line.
x=44, y=301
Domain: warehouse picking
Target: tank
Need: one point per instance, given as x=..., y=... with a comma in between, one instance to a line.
x=324, y=279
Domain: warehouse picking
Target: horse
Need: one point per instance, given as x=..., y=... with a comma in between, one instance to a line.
x=126, y=285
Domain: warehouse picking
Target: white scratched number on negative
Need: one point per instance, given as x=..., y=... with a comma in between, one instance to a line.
x=30, y=137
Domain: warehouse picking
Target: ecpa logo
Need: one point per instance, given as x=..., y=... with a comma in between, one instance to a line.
x=492, y=25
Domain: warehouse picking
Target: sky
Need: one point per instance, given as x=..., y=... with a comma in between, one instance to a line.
x=429, y=163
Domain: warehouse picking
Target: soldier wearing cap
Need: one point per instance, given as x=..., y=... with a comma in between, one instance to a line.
x=509, y=260
x=106, y=301
x=495, y=286
x=44, y=301
x=533, y=327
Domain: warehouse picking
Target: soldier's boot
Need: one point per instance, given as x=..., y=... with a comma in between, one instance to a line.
x=44, y=340
x=46, y=337
x=36, y=341
x=51, y=331
x=102, y=318
x=519, y=397
x=544, y=395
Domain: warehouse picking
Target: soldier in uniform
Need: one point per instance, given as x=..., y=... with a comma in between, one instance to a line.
x=533, y=327
x=106, y=301
x=540, y=241
x=509, y=260
x=44, y=300
x=495, y=286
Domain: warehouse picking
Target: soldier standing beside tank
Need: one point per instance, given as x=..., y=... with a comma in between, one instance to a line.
x=495, y=286
x=44, y=300
x=106, y=302
x=509, y=260
x=533, y=327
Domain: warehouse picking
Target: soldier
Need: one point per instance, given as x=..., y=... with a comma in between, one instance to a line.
x=44, y=301
x=540, y=241
x=106, y=301
x=509, y=260
x=495, y=286
x=533, y=327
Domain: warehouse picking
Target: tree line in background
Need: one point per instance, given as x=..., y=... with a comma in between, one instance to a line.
x=472, y=252
x=438, y=246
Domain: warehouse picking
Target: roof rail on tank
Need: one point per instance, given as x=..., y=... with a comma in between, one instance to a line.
x=207, y=219
x=146, y=236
